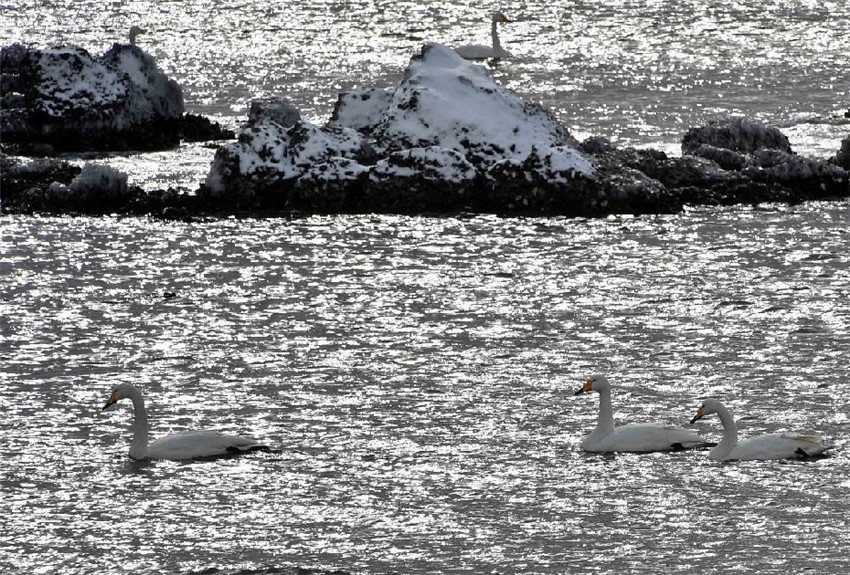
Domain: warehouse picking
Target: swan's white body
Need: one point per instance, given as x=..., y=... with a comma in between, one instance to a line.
x=482, y=52
x=639, y=437
x=770, y=446
x=183, y=445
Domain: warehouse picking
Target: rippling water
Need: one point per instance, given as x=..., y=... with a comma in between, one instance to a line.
x=638, y=72
x=417, y=375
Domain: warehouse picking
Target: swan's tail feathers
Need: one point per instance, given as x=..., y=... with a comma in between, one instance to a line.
x=816, y=451
x=248, y=448
x=679, y=446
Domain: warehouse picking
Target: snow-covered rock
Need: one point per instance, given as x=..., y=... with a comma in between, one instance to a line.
x=432, y=163
x=268, y=153
x=444, y=100
x=100, y=181
x=433, y=139
x=361, y=110
x=70, y=100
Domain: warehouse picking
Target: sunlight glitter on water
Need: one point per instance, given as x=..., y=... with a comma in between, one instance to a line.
x=418, y=375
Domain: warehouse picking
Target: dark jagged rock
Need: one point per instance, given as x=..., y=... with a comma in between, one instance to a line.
x=278, y=110
x=194, y=128
x=842, y=158
x=737, y=134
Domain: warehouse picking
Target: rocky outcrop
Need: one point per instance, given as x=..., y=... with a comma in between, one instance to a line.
x=435, y=144
x=449, y=139
x=65, y=99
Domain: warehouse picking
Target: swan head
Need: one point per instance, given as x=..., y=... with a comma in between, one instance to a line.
x=596, y=383
x=500, y=18
x=708, y=407
x=135, y=31
x=119, y=392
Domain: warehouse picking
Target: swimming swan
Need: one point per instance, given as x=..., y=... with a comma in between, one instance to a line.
x=771, y=446
x=481, y=52
x=183, y=445
x=634, y=437
x=135, y=31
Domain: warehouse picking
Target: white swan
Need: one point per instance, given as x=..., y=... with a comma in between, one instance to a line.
x=634, y=437
x=135, y=31
x=481, y=52
x=771, y=446
x=183, y=445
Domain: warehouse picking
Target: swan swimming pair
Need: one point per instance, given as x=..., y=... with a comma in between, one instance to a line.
x=643, y=437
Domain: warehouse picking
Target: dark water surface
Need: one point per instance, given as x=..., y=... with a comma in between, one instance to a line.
x=417, y=375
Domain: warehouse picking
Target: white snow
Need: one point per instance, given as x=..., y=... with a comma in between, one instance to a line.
x=448, y=120
x=361, y=109
x=447, y=101
x=70, y=79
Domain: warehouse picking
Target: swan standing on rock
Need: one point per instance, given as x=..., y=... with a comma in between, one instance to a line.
x=481, y=52
x=771, y=446
x=637, y=437
x=135, y=31
x=183, y=445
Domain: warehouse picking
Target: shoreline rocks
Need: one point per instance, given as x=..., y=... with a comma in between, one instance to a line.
x=447, y=140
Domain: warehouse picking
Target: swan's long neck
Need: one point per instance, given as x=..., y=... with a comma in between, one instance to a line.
x=605, y=423
x=139, y=446
x=730, y=434
x=495, y=34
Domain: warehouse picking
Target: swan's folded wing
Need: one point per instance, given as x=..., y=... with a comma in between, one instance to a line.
x=649, y=437
x=778, y=446
x=198, y=444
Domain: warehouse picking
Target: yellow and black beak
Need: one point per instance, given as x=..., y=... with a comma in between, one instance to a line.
x=113, y=399
x=588, y=386
x=697, y=416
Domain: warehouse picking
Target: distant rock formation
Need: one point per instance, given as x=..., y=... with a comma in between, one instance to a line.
x=65, y=99
x=435, y=143
x=449, y=139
